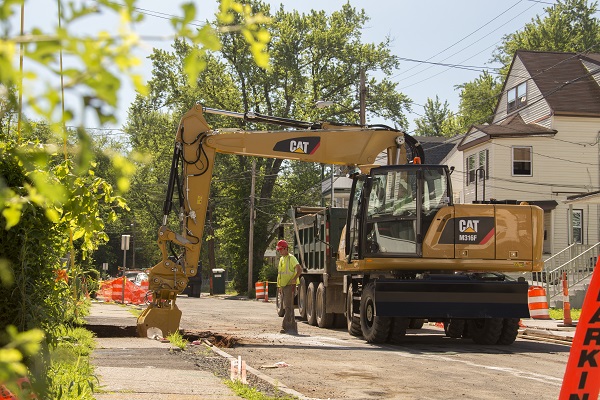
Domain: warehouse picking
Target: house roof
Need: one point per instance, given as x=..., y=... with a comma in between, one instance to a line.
x=436, y=148
x=585, y=198
x=514, y=126
x=569, y=88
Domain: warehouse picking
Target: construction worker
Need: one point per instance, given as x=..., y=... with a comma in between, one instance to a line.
x=288, y=275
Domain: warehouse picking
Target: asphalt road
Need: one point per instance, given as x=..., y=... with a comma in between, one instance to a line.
x=331, y=364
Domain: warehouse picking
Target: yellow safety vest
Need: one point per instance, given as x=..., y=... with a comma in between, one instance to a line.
x=287, y=269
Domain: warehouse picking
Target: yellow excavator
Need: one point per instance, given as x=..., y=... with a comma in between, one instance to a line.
x=404, y=252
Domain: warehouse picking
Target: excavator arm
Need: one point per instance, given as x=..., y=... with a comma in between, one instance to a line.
x=196, y=145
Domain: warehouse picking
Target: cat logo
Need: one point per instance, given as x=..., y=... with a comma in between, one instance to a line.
x=468, y=225
x=298, y=146
x=468, y=230
x=302, y=145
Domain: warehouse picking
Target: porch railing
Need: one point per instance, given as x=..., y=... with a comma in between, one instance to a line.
x=577, y=260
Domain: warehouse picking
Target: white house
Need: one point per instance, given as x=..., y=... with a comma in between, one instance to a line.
x=543, y=144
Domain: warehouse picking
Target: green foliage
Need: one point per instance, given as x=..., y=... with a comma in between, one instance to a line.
x=250, y=393
x=18, y=347
x=478, y=100
x=568, y=26
x=434, y=121
x=71, y=376
x=177, y=340
x=559, y=313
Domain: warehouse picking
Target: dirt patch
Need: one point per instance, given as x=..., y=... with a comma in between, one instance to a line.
x=222, y=341
x=109, y=331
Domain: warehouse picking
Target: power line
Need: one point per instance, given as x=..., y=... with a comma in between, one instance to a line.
x=455, y=53
x=462, y=39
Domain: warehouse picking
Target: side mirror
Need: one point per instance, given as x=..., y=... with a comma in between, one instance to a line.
x=317, y=227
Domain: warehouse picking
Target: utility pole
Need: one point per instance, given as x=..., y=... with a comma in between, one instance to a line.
x=332, y=191
x=251, y=232
x=133, y=243
x=363, y=97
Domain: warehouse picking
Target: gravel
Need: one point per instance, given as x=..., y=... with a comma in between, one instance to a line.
x=205, y=359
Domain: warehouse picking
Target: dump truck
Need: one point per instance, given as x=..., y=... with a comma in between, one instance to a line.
x=402, y=251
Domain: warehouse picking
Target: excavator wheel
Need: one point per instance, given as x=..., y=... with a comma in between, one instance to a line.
x=398, y=329
x=510, y=330
x=352, y=322
x=485, y=330
x=455, y=328
x=375, y=329
x=416, y=323
x=311, y=315
x=324, y=319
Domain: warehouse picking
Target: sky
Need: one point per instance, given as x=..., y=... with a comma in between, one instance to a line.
x=459, y=32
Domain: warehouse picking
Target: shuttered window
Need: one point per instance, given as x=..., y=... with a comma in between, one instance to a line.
x=475, y=162
x=577, y=221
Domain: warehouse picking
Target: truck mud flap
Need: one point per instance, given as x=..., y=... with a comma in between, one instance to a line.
x=451, y=299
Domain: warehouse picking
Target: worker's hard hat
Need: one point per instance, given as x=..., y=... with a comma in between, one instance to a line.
x=282, y=244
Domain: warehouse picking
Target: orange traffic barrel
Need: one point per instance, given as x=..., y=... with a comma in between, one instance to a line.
x=260, y=290
x=538, y=303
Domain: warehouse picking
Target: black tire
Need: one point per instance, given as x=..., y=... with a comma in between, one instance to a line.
x=302, y=299
x=279, y=303
x=485, y=330
x=416, y=323
x=510, y=330
x=339, y=320
x=455, y=328
x=311, y=315
x=375, y=329
x=398, y=329
x=352, y=322
x=324, y=319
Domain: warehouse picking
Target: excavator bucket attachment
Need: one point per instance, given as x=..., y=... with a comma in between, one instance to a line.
x=166, y=319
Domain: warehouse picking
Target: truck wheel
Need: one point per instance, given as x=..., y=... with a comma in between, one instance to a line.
x=375, y=329
x=454, y=328
x=485, y=330
x=398, y=329
x=324, y=319
x=352, y=322
x=311, y=315
x=510, y=330
x=416, y=323
x=279, y=303
x=302, y=299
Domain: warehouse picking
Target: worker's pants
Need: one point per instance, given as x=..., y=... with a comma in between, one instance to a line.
x=289, y=320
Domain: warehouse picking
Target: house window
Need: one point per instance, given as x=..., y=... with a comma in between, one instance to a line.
x=476, y=161
x=522, y=164
x=517, y=97
x=577, y=225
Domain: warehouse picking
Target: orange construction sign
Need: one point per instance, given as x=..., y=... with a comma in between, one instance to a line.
x=582, y=376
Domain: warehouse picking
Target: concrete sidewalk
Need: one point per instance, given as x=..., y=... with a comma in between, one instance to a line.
x=139, y=368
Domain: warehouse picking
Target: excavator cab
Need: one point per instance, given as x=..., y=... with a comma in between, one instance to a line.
x=393, y=207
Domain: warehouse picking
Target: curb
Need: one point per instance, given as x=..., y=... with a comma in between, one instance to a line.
x=280, y=386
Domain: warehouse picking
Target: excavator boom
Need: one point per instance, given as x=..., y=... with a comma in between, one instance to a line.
x=196, y=145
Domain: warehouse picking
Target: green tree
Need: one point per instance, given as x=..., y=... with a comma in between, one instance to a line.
x=435, y=120
x=52, y=204
x=568, y=26
x=314, y=57
x=478, y=100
